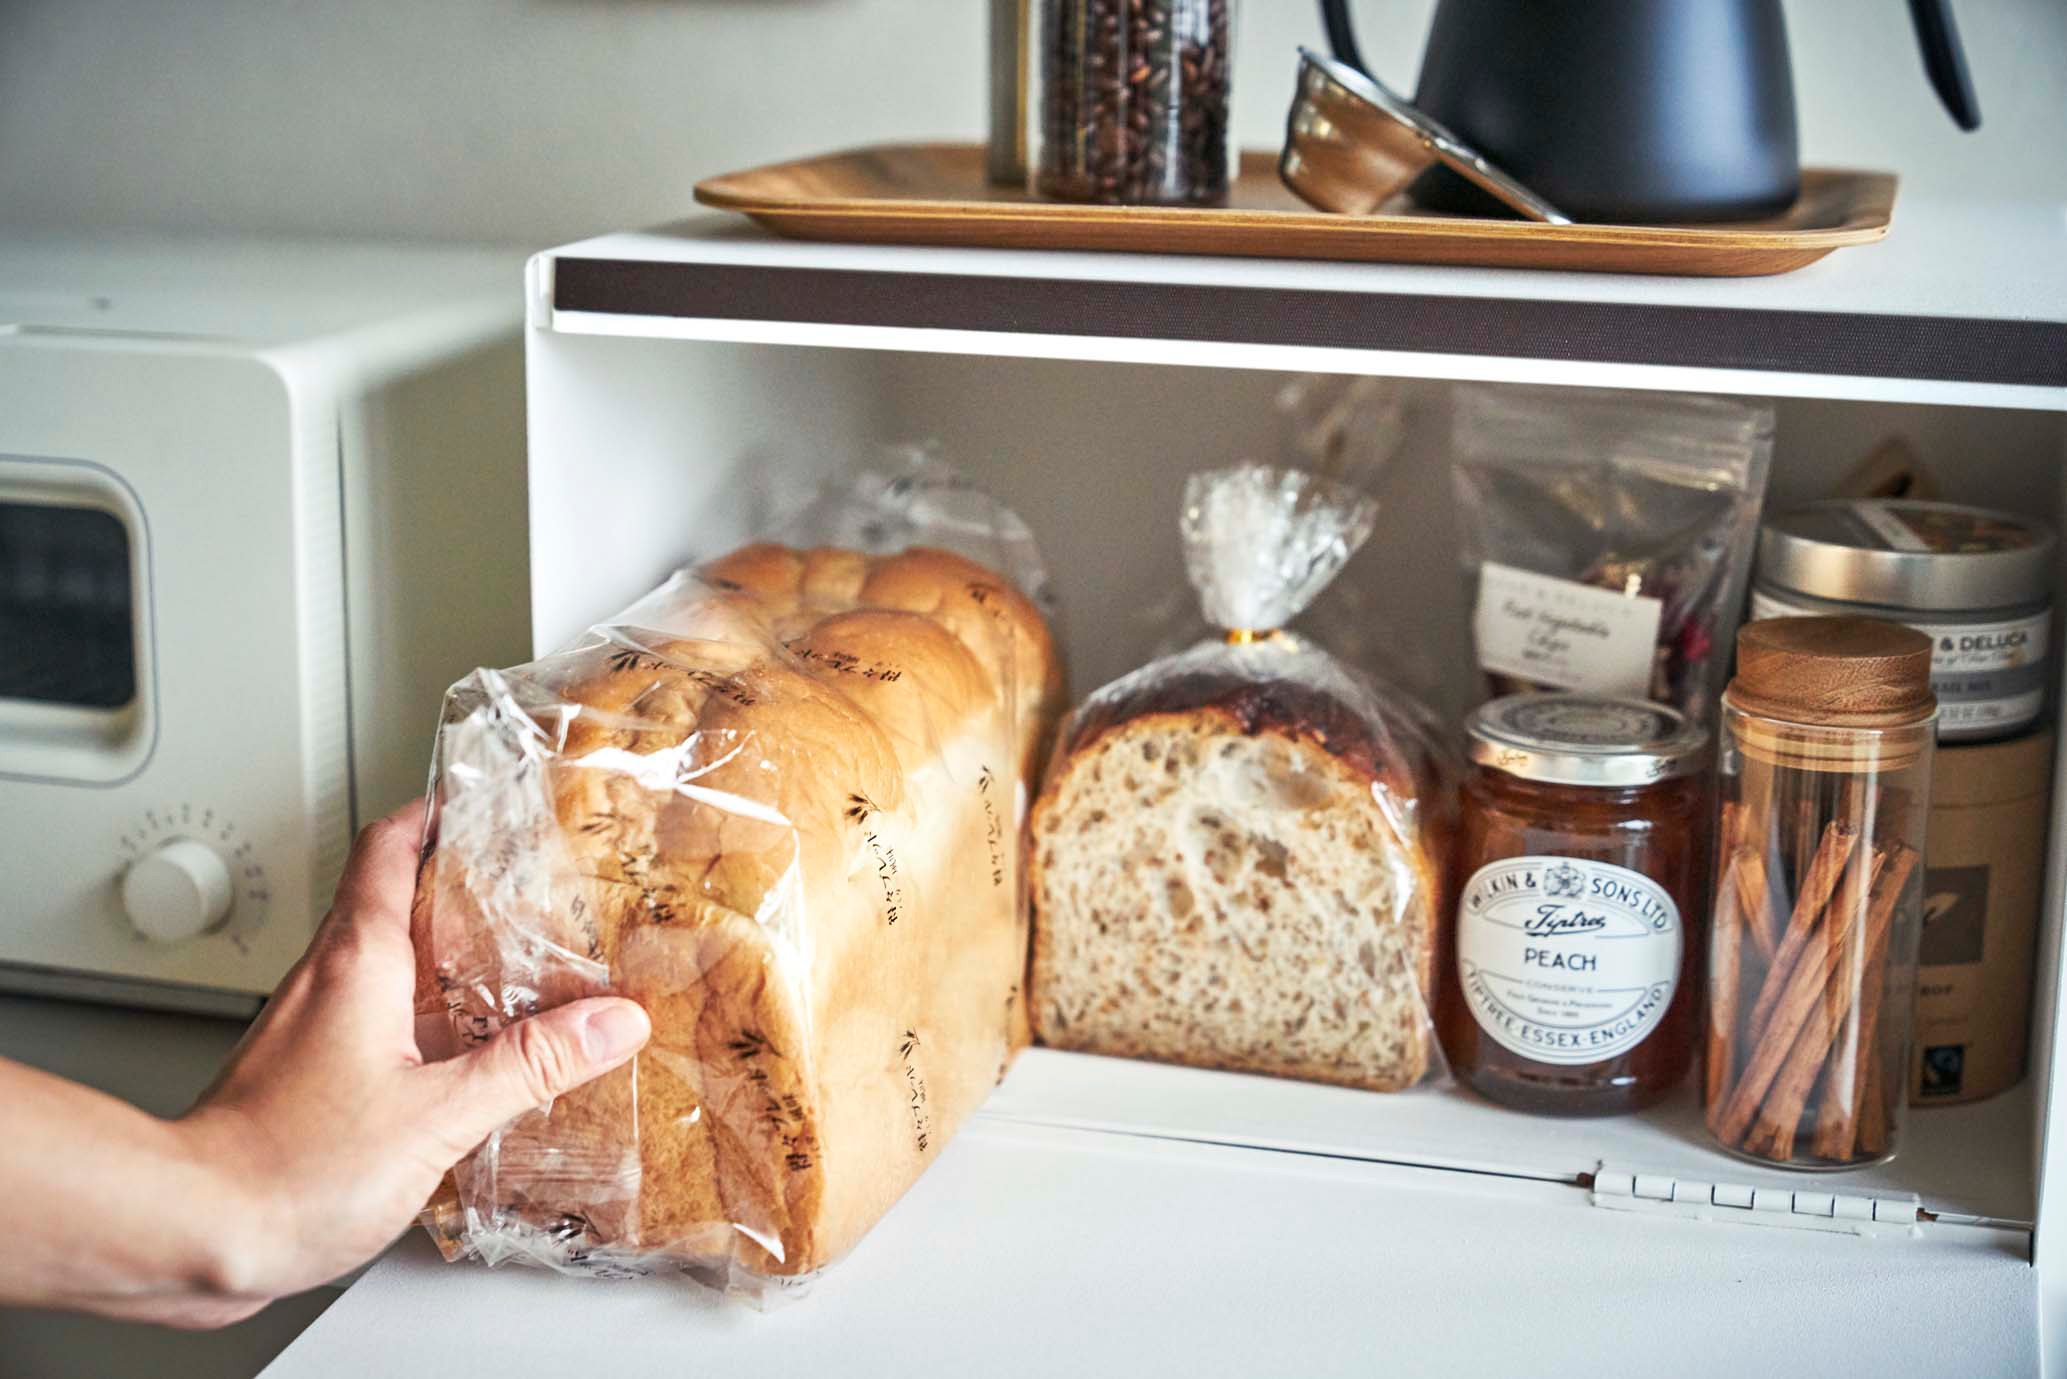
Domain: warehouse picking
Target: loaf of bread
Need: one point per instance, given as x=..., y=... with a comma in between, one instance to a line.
x=778, y=803
x=1237, y=863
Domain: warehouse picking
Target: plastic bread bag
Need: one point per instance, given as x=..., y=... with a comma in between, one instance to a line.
x=1607, y=537
x=1238, y=856
x=1336, y=425
x=1351, y=431
x=778, y=802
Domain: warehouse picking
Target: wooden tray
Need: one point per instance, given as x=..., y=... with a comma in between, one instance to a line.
x=937, y=194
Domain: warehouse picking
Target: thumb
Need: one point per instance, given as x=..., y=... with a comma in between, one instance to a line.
x=537, y=1059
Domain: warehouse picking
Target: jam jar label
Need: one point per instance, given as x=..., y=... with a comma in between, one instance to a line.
x=1567, y=961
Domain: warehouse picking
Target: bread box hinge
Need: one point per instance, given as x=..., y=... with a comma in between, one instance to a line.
x=1794, y=1207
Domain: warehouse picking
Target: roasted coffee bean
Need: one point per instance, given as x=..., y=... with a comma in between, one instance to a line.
x=1134, y=100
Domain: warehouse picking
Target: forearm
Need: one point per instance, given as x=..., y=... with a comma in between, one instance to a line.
x=134, y=1223
x=314, y=1149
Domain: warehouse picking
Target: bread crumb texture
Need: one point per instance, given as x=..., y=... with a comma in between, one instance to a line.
x=1215, y=891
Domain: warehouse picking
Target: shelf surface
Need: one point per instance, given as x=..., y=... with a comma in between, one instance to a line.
x=1966, y=1161
x=1962, y=303
x=1037, y=1250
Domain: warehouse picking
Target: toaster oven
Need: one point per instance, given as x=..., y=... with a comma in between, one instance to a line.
x=259, y=504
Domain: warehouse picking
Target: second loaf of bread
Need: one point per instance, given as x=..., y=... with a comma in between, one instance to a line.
x=1236, y=863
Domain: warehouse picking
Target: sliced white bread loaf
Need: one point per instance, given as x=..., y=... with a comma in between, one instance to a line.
x=1236, y=874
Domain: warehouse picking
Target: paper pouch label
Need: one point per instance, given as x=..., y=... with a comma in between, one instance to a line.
x=1564, y=634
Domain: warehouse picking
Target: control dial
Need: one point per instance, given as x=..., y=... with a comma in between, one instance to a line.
x=177, y=891
x=186, y=871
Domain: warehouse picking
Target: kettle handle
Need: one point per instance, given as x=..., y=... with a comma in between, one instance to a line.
x=1944, y=59
x=1342, y=34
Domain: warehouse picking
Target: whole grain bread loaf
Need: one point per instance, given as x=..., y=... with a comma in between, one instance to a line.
x=1240, y=872
x=778, y=804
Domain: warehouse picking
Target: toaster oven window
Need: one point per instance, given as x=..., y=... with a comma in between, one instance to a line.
x=67, y=633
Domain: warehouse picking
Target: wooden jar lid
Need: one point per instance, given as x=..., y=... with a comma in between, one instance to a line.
x=1840, y=672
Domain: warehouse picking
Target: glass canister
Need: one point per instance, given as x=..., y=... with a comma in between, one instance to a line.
x=1132, y=100
x=1828, y=731
x=1582, y=863
x=1005, y=155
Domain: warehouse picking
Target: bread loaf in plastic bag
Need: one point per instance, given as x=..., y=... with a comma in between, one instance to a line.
x=1238, y=859
x=778, y=802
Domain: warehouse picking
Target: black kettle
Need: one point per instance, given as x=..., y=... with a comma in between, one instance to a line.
x=1630, y=111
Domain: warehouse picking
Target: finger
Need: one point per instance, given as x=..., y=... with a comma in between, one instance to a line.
x=380, y=876
x=532, y=1062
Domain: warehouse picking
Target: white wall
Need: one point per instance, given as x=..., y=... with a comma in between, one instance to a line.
x=542, y=120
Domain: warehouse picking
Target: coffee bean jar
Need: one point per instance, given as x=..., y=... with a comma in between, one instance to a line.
x=1133, y=100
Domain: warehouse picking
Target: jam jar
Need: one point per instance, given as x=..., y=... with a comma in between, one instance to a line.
x=1581, y=905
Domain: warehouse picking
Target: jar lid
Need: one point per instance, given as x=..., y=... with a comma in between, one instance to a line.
x=1584, y=739
x=1843, y=672
x=1900, y=553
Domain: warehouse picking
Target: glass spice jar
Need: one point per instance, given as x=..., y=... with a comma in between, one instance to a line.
x=1133, y=100
x=1582, y=861
x=1829, y=728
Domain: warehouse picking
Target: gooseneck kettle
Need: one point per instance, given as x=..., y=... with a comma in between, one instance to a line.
x=1630, y=111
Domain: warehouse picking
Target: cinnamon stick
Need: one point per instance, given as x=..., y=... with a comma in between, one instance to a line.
x=1811, y=897
x=1834, y=1130
x=1754, y=830
x=1803, y=997
x=1753, y=903
x=1781, y=1131
x=1837, y=1123
x=1838, y=989
x=1735, y=857
x=1873, y=1114
x=1844, y=1071
x=1728, y=926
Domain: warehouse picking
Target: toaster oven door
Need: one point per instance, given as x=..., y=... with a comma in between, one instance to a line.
x=75, y=685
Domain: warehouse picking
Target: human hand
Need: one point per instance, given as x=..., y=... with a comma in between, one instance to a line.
x=328, y=1123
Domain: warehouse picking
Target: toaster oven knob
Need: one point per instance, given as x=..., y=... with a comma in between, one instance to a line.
x=177, y=891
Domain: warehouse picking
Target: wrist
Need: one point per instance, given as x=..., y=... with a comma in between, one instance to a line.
x=233, y=1231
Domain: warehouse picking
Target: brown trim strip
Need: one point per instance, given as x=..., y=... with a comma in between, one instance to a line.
x=1954, y=349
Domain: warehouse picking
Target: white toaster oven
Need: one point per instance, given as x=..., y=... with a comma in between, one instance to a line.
x=259, y=504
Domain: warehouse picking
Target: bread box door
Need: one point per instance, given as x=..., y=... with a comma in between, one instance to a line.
x=1038, y=1251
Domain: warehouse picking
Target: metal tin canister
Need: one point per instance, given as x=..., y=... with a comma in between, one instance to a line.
x=1977, y=582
